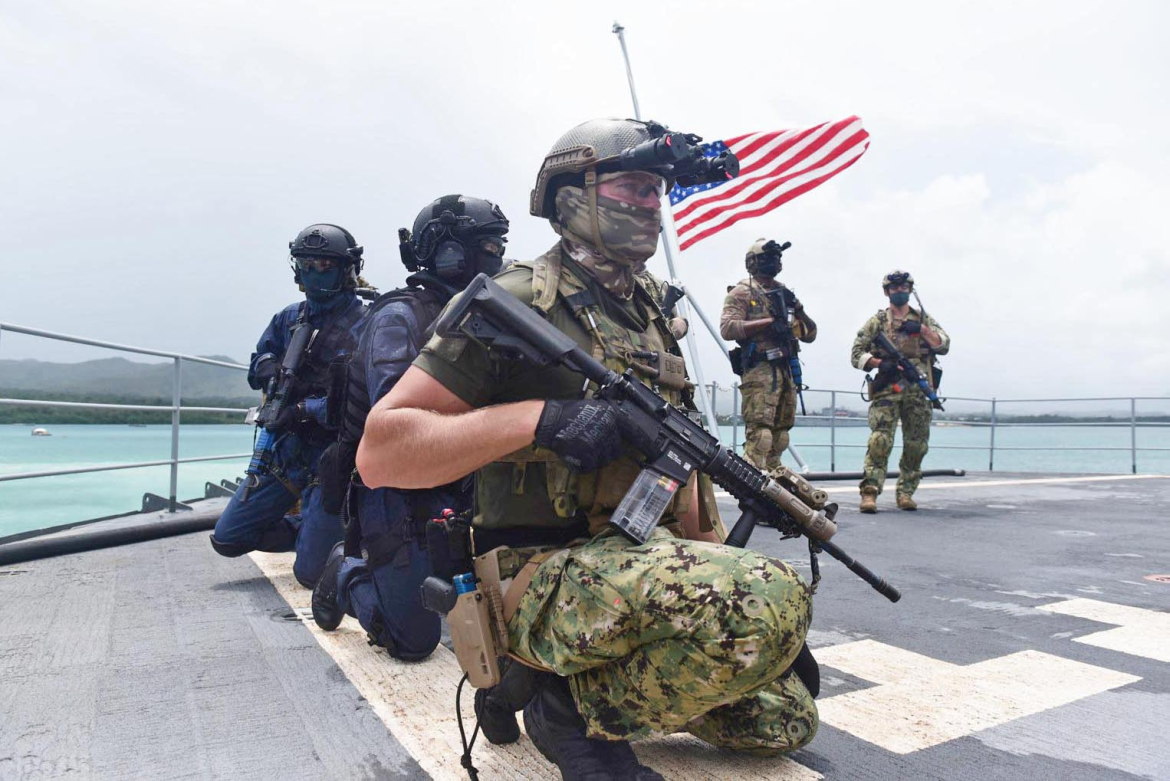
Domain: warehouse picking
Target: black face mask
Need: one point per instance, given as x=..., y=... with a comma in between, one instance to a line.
x=768, y=266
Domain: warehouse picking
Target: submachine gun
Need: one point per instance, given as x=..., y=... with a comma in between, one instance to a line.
x=673, y=444
x=896, y=366
x=280, y=392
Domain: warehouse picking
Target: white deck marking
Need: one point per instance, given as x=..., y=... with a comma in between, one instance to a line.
x=921, y=702
x=416, y=702
x=890, y=484
x=1139, y=631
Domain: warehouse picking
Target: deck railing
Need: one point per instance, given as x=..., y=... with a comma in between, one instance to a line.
x=176, y=409
x=992, y=424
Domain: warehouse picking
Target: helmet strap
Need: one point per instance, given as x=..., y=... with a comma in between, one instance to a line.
x=591, y=192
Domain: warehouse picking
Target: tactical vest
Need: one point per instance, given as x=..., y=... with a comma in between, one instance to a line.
x=507, y=495
x=912, y=346
x=332, y=344
x=426, y=305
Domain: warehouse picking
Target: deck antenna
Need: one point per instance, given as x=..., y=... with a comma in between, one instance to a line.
x=669, y=241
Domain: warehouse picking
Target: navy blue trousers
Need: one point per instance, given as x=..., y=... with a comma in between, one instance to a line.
x=260, y=522
x=386, y=602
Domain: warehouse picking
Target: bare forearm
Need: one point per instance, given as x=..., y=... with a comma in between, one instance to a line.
x=416, y=448
x=753, y=327
x=932, y=338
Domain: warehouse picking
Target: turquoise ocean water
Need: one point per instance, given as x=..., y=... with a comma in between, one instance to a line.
x=43, y=502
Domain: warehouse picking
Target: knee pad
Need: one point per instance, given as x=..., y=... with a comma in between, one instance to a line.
x=230, y=550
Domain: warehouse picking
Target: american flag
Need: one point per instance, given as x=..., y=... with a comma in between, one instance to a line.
x=775, y=167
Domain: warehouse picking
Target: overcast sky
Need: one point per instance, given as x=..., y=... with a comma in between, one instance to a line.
x=158, y=157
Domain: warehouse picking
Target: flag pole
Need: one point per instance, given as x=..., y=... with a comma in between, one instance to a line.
x=669, y=237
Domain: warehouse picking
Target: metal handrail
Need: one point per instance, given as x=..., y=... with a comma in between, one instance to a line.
x=176, y=408
x=992, y=425
x=126, y=348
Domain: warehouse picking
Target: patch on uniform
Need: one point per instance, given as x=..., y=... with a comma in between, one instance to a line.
x=448, y=348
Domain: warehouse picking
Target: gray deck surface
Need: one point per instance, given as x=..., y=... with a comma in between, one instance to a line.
x=161, y=660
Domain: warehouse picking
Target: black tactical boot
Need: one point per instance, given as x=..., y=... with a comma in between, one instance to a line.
x=807, y=669
x=558, y=731
x=496, y=708
x=326, y=612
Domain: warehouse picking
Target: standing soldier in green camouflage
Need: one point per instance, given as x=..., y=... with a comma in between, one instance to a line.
x=918, y=337
x=676, y=634
x=769, y=393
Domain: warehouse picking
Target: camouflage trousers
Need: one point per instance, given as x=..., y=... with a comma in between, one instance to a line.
x=769, y=412
x=673, y=635
x=914, y=410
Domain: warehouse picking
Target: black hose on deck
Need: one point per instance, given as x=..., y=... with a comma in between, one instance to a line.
x=45, y=547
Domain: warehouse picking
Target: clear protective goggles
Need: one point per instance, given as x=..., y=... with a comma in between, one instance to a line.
x=319, y=264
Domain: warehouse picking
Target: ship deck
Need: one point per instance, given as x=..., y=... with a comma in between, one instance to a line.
x=1029, y=643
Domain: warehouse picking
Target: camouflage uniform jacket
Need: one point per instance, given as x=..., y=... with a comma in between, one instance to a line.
x=912, y=346
x=745, y=302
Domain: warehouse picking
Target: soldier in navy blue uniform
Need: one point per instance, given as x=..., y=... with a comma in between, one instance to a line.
x=377, y=575
x=326, y=261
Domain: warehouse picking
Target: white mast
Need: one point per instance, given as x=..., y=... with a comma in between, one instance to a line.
x=669, y=240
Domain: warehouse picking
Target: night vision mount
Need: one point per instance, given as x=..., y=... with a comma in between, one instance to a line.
x=678, y=156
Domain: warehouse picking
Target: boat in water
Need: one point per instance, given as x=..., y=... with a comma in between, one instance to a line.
x=41, y=432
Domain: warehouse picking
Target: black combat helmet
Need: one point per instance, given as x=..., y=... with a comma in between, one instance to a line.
x=456, y=237
x=325, y=240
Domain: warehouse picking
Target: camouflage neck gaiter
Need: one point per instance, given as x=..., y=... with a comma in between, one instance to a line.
x=629, y=236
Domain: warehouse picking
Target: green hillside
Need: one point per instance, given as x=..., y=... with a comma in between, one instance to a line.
x=119, y=381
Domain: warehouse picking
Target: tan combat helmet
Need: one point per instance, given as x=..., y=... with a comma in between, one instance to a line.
x=897, y=277
x=754, y=253
x=591, y=148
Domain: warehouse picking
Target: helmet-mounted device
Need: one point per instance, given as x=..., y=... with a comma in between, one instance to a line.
x=898, y=277
x=614, y=145
x=451, y=234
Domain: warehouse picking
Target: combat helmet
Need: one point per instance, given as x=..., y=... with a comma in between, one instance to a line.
x=455, y=237
x=608, y=145
x=326, y=240
x=897, y=277
x=761, y=249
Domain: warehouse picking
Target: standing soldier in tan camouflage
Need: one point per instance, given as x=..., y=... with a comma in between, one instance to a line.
x=769, y=393
x=918, y=337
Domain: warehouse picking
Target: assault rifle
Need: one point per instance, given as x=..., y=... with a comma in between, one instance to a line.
x=778, y=303
x=280, y=392
x=673, y=444
x=899, y=366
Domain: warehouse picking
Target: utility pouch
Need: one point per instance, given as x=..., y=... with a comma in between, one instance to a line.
x=735, y=355
x=936, y=373
x=672, y=371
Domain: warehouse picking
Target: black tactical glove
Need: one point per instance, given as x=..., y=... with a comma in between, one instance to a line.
x=583, y=433
x=910, y=327
x=288, y=417
x=334, y=469
x=265, y=370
